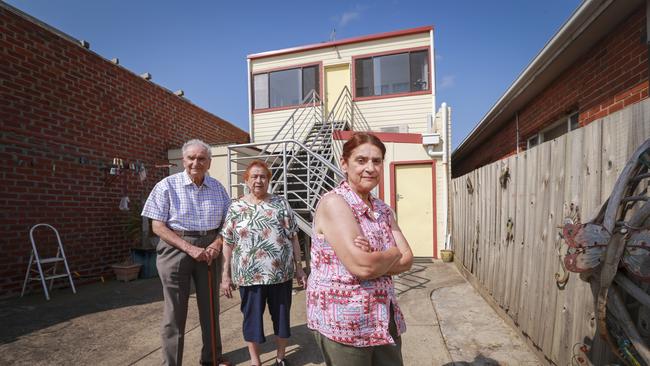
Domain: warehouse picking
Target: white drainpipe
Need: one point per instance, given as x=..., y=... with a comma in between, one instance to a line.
x=432, y=62
x=445, y=164
x=443, y=154
x=250, y=100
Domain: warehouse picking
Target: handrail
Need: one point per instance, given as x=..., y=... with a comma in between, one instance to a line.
x=344, y=93
x=312, y=96
x=351, y=113
x=296, y=142
x=300, y=153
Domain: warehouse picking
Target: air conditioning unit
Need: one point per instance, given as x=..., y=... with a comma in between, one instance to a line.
x=395, y=129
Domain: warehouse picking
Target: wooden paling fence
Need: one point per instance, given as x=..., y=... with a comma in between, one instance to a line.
x=507, y=219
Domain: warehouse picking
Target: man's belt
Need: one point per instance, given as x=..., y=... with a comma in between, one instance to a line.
x=199, y=233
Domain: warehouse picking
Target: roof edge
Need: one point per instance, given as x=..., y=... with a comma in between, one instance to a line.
x=77, y=42
x=581, y=18
x=359, y=39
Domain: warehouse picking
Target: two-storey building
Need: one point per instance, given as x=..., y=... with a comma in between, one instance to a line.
x=384, y=83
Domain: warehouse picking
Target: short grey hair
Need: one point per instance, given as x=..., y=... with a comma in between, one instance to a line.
x=197, y=142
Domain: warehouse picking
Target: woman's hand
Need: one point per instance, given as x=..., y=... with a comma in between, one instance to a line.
x=301, y=277
x=362, y=243
x=336, y=221
x=226, y=286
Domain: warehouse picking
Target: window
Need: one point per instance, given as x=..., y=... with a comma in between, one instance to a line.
x=392, y=74
x=261, y=90
x=284, y=88
x=558, y=128
x=532, y=142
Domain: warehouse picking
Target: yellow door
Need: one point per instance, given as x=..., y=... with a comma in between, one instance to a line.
x=336, y=77
x=414, y=206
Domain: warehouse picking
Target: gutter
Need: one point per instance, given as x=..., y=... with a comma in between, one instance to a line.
x=582, y=17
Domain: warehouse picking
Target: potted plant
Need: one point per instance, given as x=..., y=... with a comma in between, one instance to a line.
x=143, y=252
x=447, y=254
x=126, y=270
x=133, y=228
x=137, y=228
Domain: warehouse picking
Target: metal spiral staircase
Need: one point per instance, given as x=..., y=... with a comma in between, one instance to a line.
x=301, y=155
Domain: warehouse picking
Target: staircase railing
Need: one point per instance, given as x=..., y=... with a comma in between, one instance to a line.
x=319, y=170
x=345, y=109
x=300, y=121
x=301, y=153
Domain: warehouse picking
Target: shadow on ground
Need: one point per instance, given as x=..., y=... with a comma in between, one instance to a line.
x=479, y=360
x=302, y=349
x=411, y=280
x=23, y=316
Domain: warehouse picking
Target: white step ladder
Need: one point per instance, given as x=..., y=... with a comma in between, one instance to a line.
x=39, y=274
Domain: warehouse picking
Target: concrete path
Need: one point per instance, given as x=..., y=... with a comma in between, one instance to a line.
x=117, y=324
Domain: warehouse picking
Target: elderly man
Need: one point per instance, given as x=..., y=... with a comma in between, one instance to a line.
x=187, y=209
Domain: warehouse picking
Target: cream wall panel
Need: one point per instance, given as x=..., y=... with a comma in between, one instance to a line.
x=267, y=124
x=412, y=111
x=340, y=54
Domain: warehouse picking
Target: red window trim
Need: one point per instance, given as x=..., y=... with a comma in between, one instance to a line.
x=282, y=68
x=385, y=53
x=393, y=201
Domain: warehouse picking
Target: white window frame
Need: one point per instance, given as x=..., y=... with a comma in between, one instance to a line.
x=538, y=138
x=532, y=141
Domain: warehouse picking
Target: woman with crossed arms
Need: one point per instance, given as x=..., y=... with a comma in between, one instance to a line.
x=357, y=246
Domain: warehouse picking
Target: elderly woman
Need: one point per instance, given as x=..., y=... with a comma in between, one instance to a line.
x=260, y=233
x=351, y=302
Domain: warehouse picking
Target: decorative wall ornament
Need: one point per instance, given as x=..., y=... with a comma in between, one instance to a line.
x=613, y=250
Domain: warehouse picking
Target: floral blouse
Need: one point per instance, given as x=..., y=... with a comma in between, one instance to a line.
x=342, y=307
x=260, y=236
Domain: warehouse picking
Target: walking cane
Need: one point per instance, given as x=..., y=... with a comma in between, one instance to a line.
x=212, y=323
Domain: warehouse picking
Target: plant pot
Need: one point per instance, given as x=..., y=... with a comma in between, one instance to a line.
x=146, y=257
x=447, y=255
x=126, y=272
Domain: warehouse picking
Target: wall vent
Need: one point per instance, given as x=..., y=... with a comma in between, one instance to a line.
x=395, y=129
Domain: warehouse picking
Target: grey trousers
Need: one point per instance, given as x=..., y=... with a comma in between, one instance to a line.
x=176, y=269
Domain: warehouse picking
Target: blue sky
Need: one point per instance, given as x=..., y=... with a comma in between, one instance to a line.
x=201, y=46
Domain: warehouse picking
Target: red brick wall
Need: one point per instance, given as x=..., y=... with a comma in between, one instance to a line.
x=610, y=76
x=65, y=113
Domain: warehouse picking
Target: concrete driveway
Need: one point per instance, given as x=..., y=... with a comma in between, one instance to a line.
x=117, y=323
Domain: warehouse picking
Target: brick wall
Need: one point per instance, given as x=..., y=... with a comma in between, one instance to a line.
x=610, y=76
x=65, y=113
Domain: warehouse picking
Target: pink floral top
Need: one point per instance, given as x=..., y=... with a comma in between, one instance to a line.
x=339, y=305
